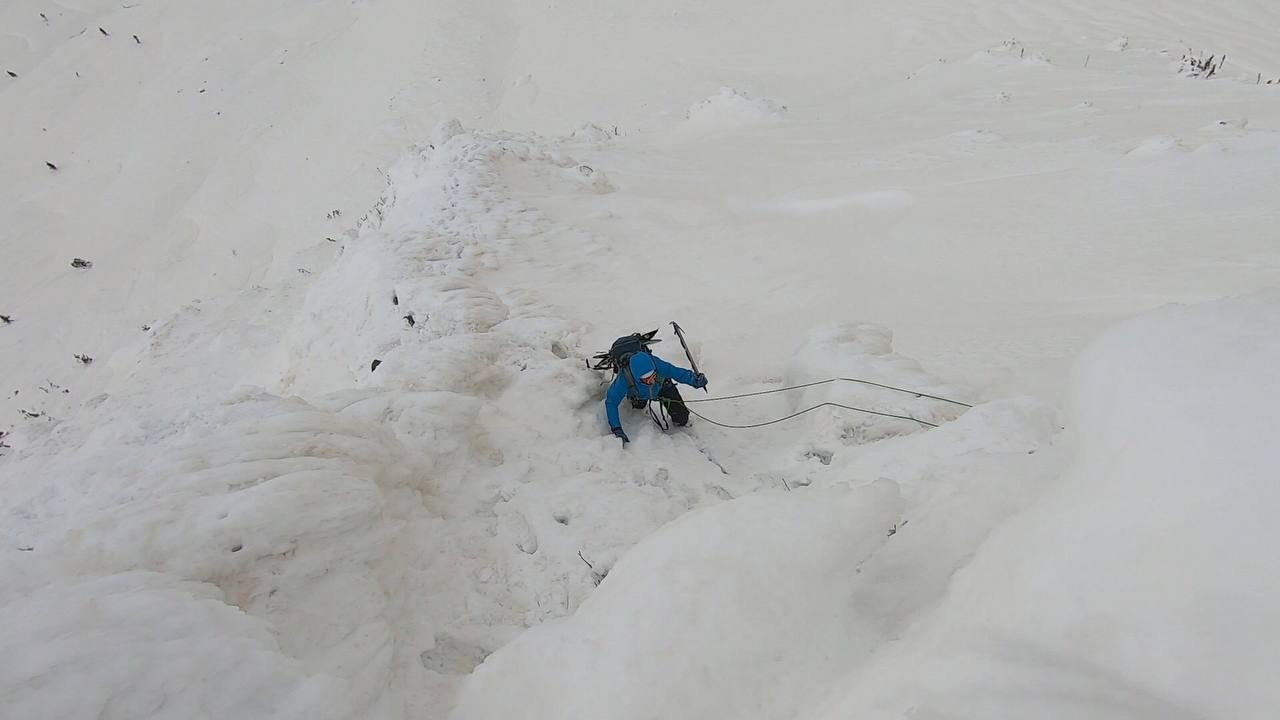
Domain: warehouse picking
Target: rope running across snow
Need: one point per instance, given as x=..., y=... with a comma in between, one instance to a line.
x=824, y=382
x=815, y=407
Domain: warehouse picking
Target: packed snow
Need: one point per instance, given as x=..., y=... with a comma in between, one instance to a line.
x=1133, y=586
x=296, y=301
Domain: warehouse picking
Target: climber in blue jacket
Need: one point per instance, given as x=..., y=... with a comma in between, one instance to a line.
x=653, y=380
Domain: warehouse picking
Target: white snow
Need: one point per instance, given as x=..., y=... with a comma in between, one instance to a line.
x=730, y=110
x=888, y=200
x=1158, y=145
x=337, y=453
x=1138, y=585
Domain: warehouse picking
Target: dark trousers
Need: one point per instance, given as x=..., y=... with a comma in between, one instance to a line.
x=674, y=403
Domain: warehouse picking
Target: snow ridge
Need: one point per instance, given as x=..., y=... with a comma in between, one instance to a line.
x=392, y=524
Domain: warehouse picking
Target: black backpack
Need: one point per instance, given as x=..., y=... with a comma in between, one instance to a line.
x=618, y=359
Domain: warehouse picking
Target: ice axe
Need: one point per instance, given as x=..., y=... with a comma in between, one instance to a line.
x=693, y=364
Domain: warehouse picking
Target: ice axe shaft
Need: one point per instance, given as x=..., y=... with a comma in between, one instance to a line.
x=693, y=364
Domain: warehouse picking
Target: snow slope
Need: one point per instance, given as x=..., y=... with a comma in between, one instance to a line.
x=337, y=444
x=1141, y=584
x=197, y=160
x=1138, y=585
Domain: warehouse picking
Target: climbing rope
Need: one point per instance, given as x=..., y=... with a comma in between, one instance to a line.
x=661, y=419
x=797, y=414
x=824, y=382
x=663, y=402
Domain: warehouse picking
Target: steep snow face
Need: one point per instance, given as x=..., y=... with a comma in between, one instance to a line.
x=1139, y=585
x=390, y=523
x=1142, y=584
x=198, y=158
x=336, y=444
x=758, y=606
x=197, y=148
x=85, y=654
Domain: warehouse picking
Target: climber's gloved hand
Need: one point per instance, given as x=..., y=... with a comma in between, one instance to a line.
x=618, y=433
x=699, y=380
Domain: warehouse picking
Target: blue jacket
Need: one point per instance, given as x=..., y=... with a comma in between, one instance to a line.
x=641, y=364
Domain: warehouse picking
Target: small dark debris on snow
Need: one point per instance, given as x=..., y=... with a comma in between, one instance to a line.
x=333, y=215
x=330, y=239
x=135, y=39
x=25, y=549
x=374, y=365
x=409, y=319
x=51, y=165
x=395, y=299
x=31, y=415
x=12, y=73
x=304, y=271
x=6, y=319
x=146, y=328
x=81, y=263
x=44, y=17
x=104, y=32
x=84, y=359
x=237, y=547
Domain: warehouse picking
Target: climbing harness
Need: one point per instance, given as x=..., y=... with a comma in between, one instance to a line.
x=660, y=418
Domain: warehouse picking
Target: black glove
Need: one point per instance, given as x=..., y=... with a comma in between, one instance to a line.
x=618, y=433
x=699, y=380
